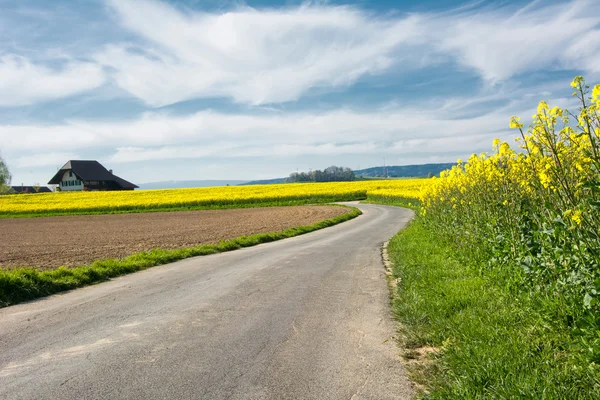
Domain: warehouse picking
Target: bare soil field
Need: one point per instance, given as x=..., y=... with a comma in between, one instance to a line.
x=51, y=242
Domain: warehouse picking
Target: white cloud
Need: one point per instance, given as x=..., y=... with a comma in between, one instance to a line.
x=277, y=55
x=231, y=150
x=23, y=82
x=251, y=56
x=44, y=160
x=158, y=136
x=501, y=43
x=435, y=145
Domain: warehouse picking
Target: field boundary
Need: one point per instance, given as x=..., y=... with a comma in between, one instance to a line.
x=22, y=284
x=131, y=210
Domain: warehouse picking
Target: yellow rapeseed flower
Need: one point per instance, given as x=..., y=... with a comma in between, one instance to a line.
x=555, y=111
x=576, y=217
x=514, y=124
x=596, y=94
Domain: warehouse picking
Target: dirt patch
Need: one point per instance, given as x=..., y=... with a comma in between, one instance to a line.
x=420, y=363
x=50, y=242
x=420, y=355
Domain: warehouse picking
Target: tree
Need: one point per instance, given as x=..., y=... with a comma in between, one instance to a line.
x=5, y=177
x=330, y=174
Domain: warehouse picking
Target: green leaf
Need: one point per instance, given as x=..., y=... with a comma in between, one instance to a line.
x=588, y=301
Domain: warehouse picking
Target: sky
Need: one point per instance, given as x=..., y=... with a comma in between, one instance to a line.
x=217, y=89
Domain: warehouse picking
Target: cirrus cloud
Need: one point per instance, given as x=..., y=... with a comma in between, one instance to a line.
x=502, y=43
x=23, y=82
x=252, y=56
x=262, y=56
x=160, y=136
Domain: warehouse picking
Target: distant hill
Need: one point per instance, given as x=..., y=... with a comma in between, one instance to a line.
x=266, y=181
x=401, y=171
x=188, y=184
x=393, y=171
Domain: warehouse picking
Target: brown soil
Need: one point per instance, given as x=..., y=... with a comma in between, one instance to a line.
x=50, y=242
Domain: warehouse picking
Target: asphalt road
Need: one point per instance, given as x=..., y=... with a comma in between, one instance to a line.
x=303, y=318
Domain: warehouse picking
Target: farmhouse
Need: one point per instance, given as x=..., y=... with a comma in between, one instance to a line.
x=77, y=175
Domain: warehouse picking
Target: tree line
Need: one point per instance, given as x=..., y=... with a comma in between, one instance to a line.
x=330, y=174
x=5, y=177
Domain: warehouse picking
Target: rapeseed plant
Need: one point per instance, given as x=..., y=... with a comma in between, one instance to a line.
x=533, y=212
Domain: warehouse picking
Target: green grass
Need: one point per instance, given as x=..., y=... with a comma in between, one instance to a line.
x=21, y=284
x=406, y=202
x=490, y=341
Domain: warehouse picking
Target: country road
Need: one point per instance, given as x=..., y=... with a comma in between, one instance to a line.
x=303, y=318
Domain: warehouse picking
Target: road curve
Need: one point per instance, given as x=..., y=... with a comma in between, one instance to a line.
x=302, y=318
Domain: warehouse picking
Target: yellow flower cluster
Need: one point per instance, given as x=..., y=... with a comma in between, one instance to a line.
x=408, y=189
x=535, y=202
x=228, y=196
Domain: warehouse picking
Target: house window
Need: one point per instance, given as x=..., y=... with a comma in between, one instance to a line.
x=70, y=174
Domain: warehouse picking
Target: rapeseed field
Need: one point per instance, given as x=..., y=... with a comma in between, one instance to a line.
x=214, y=197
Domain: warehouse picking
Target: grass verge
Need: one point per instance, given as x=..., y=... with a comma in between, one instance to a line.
x=23, y=284
x=468, y=335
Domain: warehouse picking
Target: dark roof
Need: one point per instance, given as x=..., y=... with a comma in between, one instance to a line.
x=90, y=170
x=31, y=189
x=123, y=183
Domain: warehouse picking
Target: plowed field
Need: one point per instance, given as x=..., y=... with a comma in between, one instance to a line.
x=50, y=242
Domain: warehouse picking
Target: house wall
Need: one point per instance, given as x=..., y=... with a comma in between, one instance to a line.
x=70, y=183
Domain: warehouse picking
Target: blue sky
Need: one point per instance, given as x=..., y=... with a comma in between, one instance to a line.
x=218, y=89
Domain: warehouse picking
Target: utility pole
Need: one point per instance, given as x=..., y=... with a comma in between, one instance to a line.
x=384, y=169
